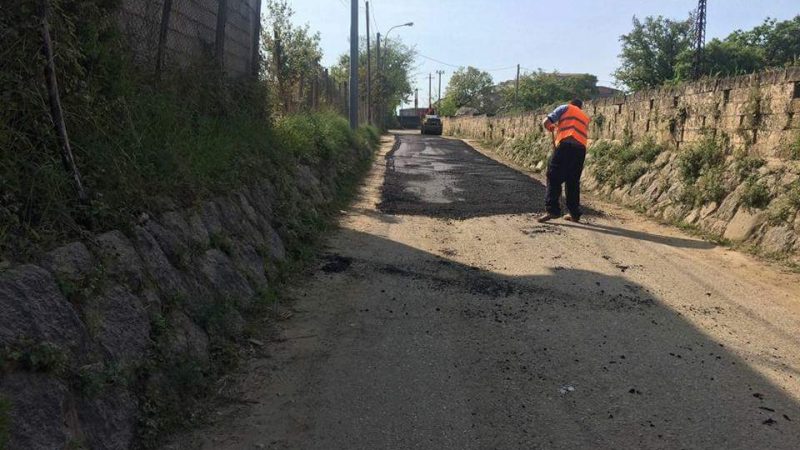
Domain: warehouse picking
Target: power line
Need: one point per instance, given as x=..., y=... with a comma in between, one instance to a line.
x=498, y=69
x=374, y=20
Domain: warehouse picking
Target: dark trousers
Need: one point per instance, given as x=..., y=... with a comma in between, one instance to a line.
x=566, y=167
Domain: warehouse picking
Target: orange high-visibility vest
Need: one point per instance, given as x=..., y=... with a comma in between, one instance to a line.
x=573, y=123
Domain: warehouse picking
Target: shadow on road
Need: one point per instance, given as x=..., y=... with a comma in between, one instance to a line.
x=640, y=235
x=437, y=354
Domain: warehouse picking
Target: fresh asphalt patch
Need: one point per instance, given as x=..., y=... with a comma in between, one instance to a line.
x=446, y=178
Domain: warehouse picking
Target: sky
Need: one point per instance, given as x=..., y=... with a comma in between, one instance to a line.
x=496, y=35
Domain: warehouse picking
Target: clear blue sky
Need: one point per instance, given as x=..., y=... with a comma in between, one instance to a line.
x=568, y=36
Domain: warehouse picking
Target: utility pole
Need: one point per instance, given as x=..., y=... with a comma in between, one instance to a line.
x=516, y=88
x=379, y=74
x=440, y=73
x=354, y=63
x=369, y=74
x=416, y=101
x=700, y=39
x=430, y=90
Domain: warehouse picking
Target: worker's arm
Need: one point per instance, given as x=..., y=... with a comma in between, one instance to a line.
x=552, y=119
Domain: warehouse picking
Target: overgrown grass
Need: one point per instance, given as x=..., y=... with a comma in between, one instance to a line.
x=136, y=141
x=702, y=169
x=755, y=194
x=703, y=156
x=793, y=152
x=530, y=149
x=618, y=164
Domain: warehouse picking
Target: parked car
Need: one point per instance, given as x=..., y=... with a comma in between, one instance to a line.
x=432, y=125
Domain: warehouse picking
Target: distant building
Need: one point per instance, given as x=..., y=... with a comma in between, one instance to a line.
x=603, y=92
x=411, y=117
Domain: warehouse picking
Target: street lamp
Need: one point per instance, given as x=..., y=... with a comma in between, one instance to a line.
x=386, y=38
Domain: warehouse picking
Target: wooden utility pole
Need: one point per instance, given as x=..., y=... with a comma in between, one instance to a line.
x=440, y=73
x=369, y=73
x=516, y=89
x=56, y=113
x=354, y=64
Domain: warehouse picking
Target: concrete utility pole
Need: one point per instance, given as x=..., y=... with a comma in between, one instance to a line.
x=379, y=74
x=354, y=64
x=430, y=90
x=516, y=88
x=369, y=74
x=440, y=73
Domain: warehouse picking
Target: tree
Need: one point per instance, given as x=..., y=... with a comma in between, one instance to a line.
x=293, y=53
x=782, y=46
x=390, y=83
x=723, y=57
x=540, y=89
x=470, y=87
x=651, y=51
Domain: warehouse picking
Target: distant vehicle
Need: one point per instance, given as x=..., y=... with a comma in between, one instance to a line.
x=432, y=125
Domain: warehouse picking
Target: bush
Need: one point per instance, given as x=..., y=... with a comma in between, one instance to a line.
x=746, y=165
x=603, y=161
x=620, y=164
x=704, y=155
x=755, y=195
x=711, y=186
x=784, y=208
x=794, y=149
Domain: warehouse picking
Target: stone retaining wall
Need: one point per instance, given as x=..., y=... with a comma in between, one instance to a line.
x=100, y=333
x=756, y=117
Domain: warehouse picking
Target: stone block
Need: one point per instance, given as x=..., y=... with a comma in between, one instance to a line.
x=33, y=308
x=744, y=224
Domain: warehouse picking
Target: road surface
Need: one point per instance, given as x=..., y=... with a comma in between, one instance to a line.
x=442, y=316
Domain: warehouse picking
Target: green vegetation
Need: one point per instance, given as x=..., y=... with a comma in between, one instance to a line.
x=34, y=357
x=468, y=87
x=746, y=165
x=538, y=89
x=702, y=172
x=529, y=149
x=659, y=50
x=188, y=137
x=651, y=50
x=705, y=155
x=755, y=195
x=620, y=164
x=473, y=88
x=784, y=208
x=794, y=149
x=142, y=142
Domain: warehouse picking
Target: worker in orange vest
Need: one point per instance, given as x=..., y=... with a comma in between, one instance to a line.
x=571, y=127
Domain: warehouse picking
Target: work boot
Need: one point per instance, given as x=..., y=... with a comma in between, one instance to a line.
x=571, y=218
x=546, y=217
